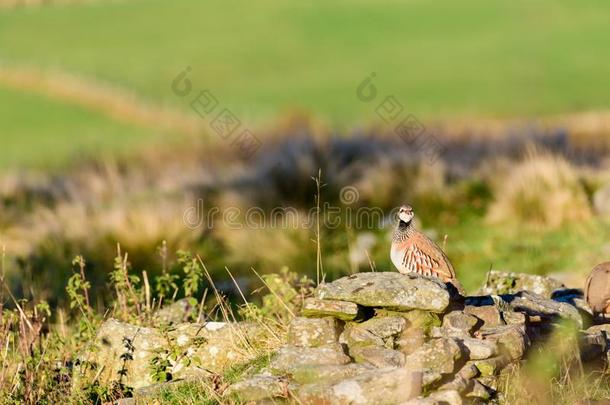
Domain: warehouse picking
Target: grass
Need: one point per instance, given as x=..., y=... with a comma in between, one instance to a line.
x=475, y=58
x=37, y=132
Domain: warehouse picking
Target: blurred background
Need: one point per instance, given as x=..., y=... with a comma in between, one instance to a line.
x=128, y=122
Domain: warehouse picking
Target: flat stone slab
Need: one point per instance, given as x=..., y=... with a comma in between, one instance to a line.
x=402, y=292
x=317, y=308
x=533, y=304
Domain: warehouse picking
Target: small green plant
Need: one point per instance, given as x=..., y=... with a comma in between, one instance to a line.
x=193, y=273
x=126, y=287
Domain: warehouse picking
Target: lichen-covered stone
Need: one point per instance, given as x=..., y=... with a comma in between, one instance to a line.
x=308, y=374
x=440, y=355
x=125, y=352
x=458, y=323
x=479, y=349
x=458, y=383
x=317, y=308
x=409, y=340
x=314, y=332
x=511, y=339
x=444, y=397
x=382, y=386
x=500, y=282
x=258, y=388
x=380, y=357
x=491, y=366
x=603, y=328
x=384, y=327
x=489, y=314
x=391, y=290
x=514, y=318
x=289, y=357
x=479, y=391
x=377, y=331
x=183, y=310
x=416, y=319
x=353, y=337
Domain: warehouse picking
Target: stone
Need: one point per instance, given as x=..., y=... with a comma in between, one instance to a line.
x=500, y=282
x=490, y=315
x=479, y=349
x=314, y=332
x=125, y=352
x=384, y=327
x=445, y=397
x=377, y=331
x=317, y=308
x=511, y=339
x=380, y=357
x=289, y=357
x=592, y=345
x=308, y=374
x=458, y=323
x=391, y=290
x=409, y=340
x=416, y=319
x=479, y=391
x=438, y=355
x=462, y=379
x=459, y=384
x=183, y=310
x=430, y=378
x=258, y=387
x=491, y=366
x=536, y=305
x=514, y=318
x=354, y=336
x=469, y=371
x=603, y=328
x=382, y=386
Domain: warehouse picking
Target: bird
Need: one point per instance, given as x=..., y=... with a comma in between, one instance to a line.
x=414, y=252
x=597, y=289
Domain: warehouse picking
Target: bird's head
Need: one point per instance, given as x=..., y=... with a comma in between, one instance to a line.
x=406, y=214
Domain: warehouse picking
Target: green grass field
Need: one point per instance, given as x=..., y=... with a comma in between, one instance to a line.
x=39, y=132
x=440, y=59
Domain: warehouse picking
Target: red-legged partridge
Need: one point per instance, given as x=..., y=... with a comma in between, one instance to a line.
x=414, y=252
x=597, y=289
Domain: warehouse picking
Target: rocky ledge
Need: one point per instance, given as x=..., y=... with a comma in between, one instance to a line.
x=369, y=338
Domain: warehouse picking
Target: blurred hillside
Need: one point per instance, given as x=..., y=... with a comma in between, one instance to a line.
x=472, y=59
x=106, y=138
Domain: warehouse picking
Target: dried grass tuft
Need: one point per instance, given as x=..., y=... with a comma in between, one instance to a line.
x=542, y=190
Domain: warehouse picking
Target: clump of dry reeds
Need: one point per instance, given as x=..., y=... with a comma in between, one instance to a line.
x=543, y=190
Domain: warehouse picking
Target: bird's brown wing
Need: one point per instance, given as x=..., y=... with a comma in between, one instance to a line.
x=597, y=290
x=424, y=257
